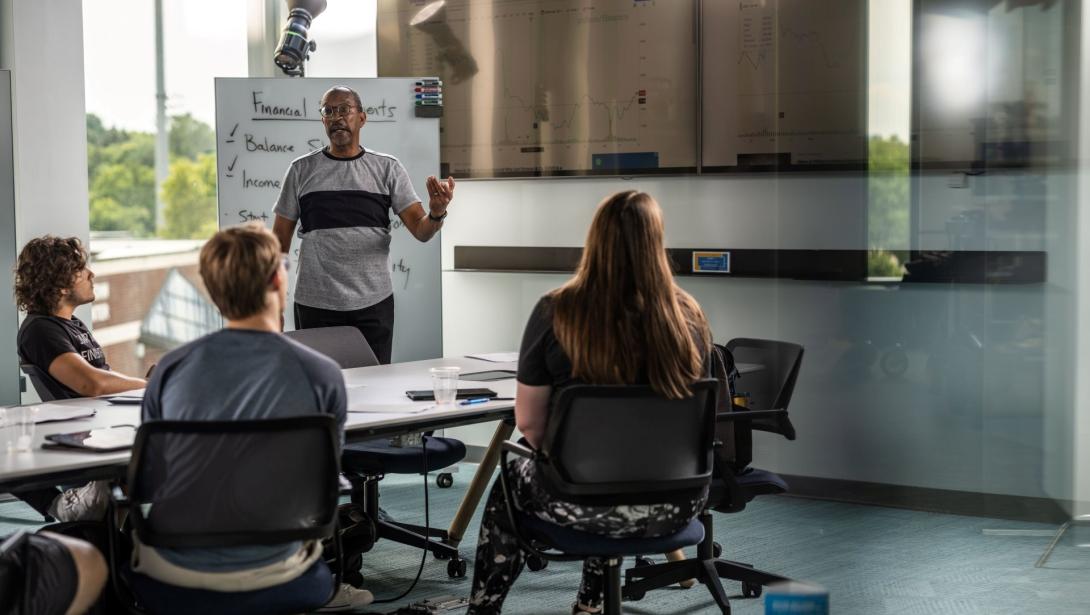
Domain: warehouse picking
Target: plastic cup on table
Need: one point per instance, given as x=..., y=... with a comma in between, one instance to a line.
x=5, y=432
x=20, y=422
x=444, y=382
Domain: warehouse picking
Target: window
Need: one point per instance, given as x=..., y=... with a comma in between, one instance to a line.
x=140, y=247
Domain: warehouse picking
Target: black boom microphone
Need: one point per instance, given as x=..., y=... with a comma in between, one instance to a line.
x=294, y=48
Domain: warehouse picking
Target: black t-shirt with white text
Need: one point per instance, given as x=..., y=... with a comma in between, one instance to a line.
x=43, y=338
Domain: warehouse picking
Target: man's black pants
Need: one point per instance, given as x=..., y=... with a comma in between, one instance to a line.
x=376, y=323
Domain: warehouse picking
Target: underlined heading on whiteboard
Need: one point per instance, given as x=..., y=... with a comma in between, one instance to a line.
x=302, y=119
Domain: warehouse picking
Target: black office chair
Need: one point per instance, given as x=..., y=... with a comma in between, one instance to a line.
x=736, y=483
x=366, y=463
x=216, y=484
x=46, y=386
x=612, y=445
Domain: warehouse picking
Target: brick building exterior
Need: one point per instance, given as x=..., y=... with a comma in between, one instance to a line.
x=139, y=286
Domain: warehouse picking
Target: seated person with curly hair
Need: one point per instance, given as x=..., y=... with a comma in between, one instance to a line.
x=51, y=281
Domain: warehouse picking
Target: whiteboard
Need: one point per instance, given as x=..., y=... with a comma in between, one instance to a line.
x=262, y=124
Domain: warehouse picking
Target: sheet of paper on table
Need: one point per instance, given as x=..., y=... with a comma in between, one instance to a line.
x=496, y=357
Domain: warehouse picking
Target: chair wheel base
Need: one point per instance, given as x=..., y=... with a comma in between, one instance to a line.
x=535, y=563
x=456, y=568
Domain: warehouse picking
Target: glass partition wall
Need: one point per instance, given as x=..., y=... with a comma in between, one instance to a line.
x=940, y=374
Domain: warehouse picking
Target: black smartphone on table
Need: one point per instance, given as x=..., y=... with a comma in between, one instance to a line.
x=429, y=395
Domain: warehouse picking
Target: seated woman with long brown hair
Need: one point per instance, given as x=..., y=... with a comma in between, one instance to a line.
x=620, y=320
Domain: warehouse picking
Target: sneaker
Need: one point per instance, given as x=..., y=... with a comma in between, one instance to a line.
x=348, y=600
x=86, y=503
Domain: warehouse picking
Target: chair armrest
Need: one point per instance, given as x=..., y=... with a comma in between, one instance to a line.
x=749, y=415
x=518, y=449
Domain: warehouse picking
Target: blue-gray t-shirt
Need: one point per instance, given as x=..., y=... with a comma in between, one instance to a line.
x=239, y=374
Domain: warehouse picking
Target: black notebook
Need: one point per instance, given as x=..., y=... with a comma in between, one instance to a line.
x=106, y=440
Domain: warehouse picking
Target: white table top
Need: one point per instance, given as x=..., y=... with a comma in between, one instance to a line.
x=382, y=395
x=377, y=406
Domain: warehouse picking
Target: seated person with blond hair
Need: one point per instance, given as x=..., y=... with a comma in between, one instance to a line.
x=246, y=371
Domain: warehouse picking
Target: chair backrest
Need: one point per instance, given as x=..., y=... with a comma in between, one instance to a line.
x=46, y=386
x=230, y=483
x=628, y=445
x=345, y=345
x=771, y=387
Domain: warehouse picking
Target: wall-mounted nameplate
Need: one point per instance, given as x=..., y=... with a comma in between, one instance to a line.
x=711, y=262
x=962, y=267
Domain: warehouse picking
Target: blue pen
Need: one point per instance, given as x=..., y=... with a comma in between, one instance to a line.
x=479, y=400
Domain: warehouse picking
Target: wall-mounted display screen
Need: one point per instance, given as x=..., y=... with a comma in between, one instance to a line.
x=553, y=87
x=784, y=84
x=993, y=84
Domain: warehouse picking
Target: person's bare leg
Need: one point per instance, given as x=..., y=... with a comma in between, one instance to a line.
x=91, y=571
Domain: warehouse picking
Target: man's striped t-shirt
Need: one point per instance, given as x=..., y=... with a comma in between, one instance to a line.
x=343, y=209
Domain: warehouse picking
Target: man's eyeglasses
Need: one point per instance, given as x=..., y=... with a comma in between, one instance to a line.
x=339, y=110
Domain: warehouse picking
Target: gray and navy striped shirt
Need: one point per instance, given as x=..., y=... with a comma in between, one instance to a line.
x=343, y=208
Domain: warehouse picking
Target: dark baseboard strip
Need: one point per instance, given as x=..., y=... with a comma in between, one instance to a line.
x=996, y=506
x=963, y=266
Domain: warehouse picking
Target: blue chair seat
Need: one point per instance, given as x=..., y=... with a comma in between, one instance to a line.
x=377, y=456
x=762, y=482
x=574, y=542
x=754, y=481
x=308, y=592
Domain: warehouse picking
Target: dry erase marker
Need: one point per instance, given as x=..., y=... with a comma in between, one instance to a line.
x=470, y=402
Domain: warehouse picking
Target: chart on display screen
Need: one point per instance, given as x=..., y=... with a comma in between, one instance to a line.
x=784, y=84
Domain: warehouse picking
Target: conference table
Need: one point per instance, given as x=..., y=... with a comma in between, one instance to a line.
x=377, y=408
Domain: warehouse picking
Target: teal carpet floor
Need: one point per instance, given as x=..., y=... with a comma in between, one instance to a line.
x=872, y=560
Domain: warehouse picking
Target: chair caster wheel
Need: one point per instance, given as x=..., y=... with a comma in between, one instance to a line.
x=642, y=561
x=536, y=564
x=445, y=480
x=751, y=590
x=456, y=568
x=631, y=595
x=717, y=550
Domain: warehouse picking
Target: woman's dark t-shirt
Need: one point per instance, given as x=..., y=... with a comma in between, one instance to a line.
x=542, y=361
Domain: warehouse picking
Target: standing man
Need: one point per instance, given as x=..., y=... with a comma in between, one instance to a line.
x=342, y=196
